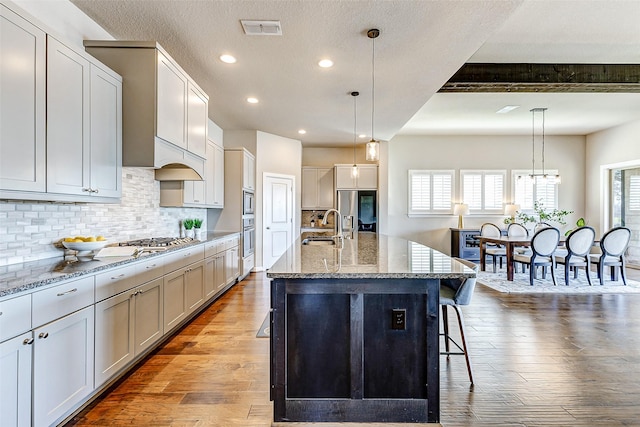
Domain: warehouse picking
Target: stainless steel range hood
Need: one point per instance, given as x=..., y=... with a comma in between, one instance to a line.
x=177, y=172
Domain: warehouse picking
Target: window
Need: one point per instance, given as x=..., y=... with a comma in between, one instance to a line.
x=483, y=191
x=634, y=193
x=526, y=191
x=430, y=192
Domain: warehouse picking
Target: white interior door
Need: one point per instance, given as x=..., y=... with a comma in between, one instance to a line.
x=278, y=217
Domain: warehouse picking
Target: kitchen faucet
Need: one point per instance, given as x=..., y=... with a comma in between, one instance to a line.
x=338, y=220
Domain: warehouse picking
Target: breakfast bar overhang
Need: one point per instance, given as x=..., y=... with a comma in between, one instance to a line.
x=354, y=330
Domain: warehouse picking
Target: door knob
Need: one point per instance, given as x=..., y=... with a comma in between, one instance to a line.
x=268, y=228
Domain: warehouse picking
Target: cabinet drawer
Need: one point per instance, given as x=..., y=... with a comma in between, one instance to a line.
x=61, y=300
x=182, y=258
x=114, y=281
x=149, y=269
x=15, y=316
x=211, y=248
x=231, y=243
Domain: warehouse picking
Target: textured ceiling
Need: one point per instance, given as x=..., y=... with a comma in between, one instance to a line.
x=422, y=43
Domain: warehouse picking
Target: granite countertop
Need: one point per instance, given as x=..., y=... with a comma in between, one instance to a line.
x=16, y=278
x=367, y=256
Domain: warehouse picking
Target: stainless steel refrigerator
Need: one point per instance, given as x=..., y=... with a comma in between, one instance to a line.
x=358, y=210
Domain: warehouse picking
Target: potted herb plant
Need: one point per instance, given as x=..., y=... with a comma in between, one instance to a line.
x=188, y=227
x=197, y=224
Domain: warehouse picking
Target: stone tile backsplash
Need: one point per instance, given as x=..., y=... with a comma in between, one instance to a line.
x=29, y=230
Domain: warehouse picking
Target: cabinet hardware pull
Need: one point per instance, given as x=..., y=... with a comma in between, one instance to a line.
x=67, y=292
x=43, y=335
x=118, y=277
x=95, y=191
x=0, y=313
x=150, y=266
x=86, y=190
x=27, y=341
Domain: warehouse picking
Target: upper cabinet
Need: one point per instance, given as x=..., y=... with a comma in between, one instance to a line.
x=23, y=104
x=249, y=171
x=84, y=146
x=367, y=178
x=61, y=121
x=166, y=111
x=317, y=188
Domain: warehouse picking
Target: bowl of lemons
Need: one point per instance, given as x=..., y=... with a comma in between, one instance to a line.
x=84, y=245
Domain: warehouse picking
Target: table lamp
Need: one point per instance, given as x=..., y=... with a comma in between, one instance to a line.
x=460, y=209
x=511, y=211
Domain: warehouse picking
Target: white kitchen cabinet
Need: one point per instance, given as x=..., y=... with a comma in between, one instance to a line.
x=215, y=183
x=232, y=264
x=197, y=120
x=15, y=387
x=215, y=275
x=165, y=108
x=125, y=326
x=84, y=147
x=171, y=111
x=23, y=104
x=249, y=171
x=15, y=316
x=194, y=286
x=174, y=305
x=317, y=188
x=63, y=356
x=367, y=177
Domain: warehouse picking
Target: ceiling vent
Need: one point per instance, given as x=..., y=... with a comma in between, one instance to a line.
x=261, y=28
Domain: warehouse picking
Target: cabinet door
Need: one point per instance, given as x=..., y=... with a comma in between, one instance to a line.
x=309, y=188
x=171, y=107
x=325, y=188
x=194, y=287
x=249, y=172
x=218, y=177
x=22, y=121
x=344, y=180
x=221, y=274
x=367, y=177
x=114, y=335
x=68, y=137
x=148, y=315
x=106, y=134
x=62, y=366
x=210, y=287
x=197, y=121
x=174, y=306
x=232, y=265
x=15, y=387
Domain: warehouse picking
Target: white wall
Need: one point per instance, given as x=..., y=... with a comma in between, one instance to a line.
x=278, y=155
x=615, y=147
x=565, y=153
x=329, y=156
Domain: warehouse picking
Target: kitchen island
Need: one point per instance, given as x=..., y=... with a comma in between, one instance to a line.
x=354, y=330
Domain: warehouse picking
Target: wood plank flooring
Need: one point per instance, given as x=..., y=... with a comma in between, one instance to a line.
x=539, y=360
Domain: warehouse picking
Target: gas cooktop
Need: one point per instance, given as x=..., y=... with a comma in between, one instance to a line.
x=158, y=242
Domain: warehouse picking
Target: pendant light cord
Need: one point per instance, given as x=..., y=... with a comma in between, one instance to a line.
x=533, y=144
x=355, y=127
x=543, y=172
x=373, y=84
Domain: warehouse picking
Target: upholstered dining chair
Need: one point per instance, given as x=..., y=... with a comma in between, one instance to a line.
x=455, y=293
x=543, y=244
x=494, y=251
x=518, y=230
x=613, y=246
x=576, y=252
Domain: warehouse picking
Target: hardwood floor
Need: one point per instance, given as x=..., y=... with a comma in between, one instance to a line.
x=539, y=360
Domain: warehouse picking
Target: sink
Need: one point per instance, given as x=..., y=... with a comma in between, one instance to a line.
x=318, y=241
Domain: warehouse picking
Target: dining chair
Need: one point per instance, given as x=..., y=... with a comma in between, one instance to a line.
x=494, y=251
x=456, y=293
x=543, y=244
x=577, y=252
x=613, y=246
x=518, y=230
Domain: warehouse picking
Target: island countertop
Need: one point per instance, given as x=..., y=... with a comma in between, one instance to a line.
x=367, y=256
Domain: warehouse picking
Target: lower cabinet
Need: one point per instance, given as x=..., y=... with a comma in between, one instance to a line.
x=194, y=286
x=126, y=325
x=63, y=356
x=232, y=264
x=15, y=386
x=215, y=278
x=183, y=293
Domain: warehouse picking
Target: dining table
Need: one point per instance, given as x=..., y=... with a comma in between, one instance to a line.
x=509, y=242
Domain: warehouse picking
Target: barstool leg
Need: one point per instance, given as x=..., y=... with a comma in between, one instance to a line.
x=464, y=342
x=445, y=326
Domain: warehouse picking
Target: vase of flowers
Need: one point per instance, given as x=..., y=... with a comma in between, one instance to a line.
x=188, y=227
x=197, y=224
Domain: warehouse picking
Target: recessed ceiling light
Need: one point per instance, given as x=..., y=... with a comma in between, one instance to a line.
x=252, y=100
x=362, y=135
x=302, y=131
x=326, y=63
x=507, y=108
x=228, y=59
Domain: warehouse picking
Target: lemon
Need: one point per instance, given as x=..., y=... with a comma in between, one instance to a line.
x=100, y=239
x=78, y=240
x=90, y=239
x=69, y=239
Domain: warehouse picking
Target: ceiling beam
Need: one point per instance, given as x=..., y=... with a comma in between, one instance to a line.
x=612, y=78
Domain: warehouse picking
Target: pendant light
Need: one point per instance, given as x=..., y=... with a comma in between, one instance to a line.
x=373, y=146
x=545, y=178
x=354, y=168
